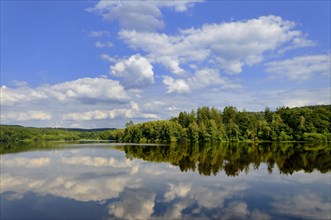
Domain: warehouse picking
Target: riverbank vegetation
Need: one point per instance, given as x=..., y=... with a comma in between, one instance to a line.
x=310, y=123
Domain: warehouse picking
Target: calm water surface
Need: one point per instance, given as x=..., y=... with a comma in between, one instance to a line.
x=107, y=181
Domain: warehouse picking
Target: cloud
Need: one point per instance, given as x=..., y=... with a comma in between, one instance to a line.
x=96, y=182
x=85, y=102
x=26, y=116
x=239, y=210
x=154, y=105
x=304, y=205
x=179, y=6
x=138, y=15
x=228, y=45
x=13, y=96
x=20, y=83
x=301, y=97
x=131, y=112
x=180, y=190
x=66, y=187
x=215, y=198
x=90, y=89
x=204, y=78
x=85, y=90
x=207, y=77
x=99, y=33
x=176, y=85
x=257, y=214
x=175, y=211
x=254, y=100
x=170, y=63
x=236, y=210
x=133, y=204
x=203, y=197
x=308, y=178
x=105, y=177
x=297, y=43
x=108, y=58
x=136, y=71
x=100, y=44
x=27, y=162
x=301, y=68
x=97, y=161
x=98, y=115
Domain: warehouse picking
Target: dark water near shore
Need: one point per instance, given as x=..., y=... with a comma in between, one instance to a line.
x=223, y=181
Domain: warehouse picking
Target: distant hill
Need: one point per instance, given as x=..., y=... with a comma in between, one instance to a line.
x=87, y=130
x=68, y=129
x=17, y=133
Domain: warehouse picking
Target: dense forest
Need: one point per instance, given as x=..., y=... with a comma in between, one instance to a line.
x=310, y=123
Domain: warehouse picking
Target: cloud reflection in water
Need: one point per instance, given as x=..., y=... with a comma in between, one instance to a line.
x=132, y=188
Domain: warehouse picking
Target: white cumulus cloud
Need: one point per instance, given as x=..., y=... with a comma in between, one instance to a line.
x=89, y=89
x=180, y=190
x=130, y=112
x=84, y=90
x=176, y=85
x=228, y=45
x=138, y=15
x=207, y=77
x=204, y=78
x=133, y=205
x=136, y=71
x=99, y=114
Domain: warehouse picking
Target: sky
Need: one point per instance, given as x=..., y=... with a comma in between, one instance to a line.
x=93, y=64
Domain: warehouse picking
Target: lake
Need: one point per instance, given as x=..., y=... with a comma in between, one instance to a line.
x=222, y=181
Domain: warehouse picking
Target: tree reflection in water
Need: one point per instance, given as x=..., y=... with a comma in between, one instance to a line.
x=235, y=158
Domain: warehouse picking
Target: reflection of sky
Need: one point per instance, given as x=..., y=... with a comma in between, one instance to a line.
x=46, y=183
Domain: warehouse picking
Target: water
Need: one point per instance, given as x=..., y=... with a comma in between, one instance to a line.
x=107, y=181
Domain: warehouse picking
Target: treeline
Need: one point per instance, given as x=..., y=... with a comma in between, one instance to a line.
x=15, y=134
x=311, y=123
x=235, y=157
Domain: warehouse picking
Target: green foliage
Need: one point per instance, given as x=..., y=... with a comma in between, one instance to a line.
x=153, y=132
x=212, y=125
x=310, y=123
x=315, y=137
x=18, y=134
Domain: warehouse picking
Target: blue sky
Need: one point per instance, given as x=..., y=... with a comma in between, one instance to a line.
x=100, y=64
